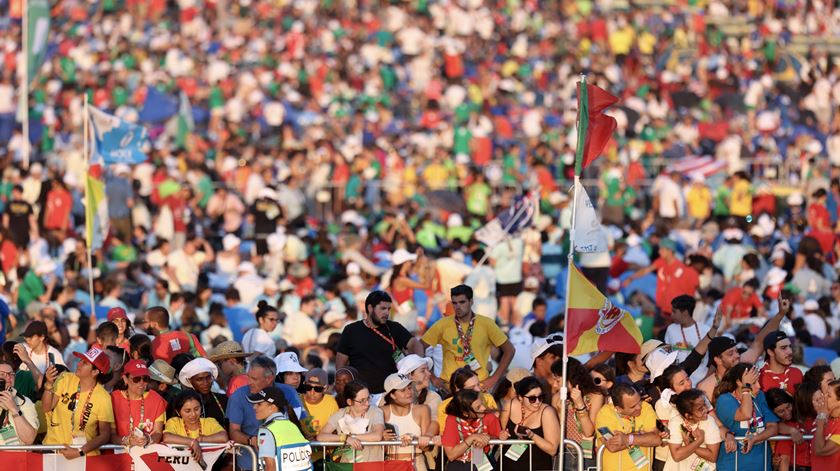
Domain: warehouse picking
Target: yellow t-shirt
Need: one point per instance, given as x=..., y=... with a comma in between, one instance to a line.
x=90, y=408
x=488, y=400
x=318, y=413
x=436, y=176
x=486, y=334
x=621, y=40
x=209, y=426
x=699, y=201
x=740, y=203
x=608, y=417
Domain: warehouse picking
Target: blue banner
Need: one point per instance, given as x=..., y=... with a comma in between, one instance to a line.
x=117, y=141
x=158, y=106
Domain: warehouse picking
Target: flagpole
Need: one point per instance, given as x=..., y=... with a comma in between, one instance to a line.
x=88, y=234
x=581, y=141
x=24, y=90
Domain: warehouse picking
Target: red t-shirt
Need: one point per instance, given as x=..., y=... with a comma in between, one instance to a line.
x=824, y=463
x=236, y=383
x=672, y=280
x=153, y=409
x=451, y=437
x=741, y=307
x=803, y=451
x=789, y=380
x=165, y=346
x=57, y=211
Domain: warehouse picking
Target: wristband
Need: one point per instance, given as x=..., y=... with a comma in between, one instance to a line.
x=630, y=439
x=582, y=409
x=822, y=416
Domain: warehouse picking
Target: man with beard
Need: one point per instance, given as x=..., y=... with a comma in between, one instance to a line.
x=778, y=372
x=723, y=353
x=374, y=344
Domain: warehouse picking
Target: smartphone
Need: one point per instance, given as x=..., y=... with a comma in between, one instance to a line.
x=50, y=359
x=2, y=384
x=521, y=431
x=605, y=432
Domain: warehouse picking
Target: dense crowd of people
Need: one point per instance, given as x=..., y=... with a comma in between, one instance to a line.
x=297, y=259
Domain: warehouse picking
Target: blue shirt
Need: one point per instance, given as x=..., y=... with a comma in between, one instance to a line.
x=240, y=320
x=726, y=407
x=241, y=412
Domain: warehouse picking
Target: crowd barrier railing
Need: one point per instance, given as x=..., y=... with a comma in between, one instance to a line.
x=236, y=446
x=599, y=457
x=574, y=446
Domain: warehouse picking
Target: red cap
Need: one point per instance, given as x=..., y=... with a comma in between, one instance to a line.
x=116, y=313
x=97, y=358
x=135, y=368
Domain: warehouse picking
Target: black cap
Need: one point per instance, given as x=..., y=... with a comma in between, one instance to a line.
x=773, y=338
x=718, y=345
x=35, y=328
x=271, y=394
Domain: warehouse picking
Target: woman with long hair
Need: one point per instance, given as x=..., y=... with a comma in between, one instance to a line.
x=821, y=375
x=796, y=418
x=464, y=378
x=694, y=437
x=410, y=421
x=586, y=400
x=402, y=286
x=189, y=427
x=527, y=417
x=742, y=408
x=469, y=428
x=419, y=371
x=356, y=422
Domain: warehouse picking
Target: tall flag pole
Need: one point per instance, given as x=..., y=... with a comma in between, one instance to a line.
x=594, y=132
x=89, y=210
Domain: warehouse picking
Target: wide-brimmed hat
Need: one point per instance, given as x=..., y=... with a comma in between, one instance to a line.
x=162, y=372
x=227, y=349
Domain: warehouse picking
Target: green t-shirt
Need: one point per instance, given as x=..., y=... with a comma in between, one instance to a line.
x=29, y=290
x=722, y=202
x=478, y=198
x=462, y=139
x=25, y=384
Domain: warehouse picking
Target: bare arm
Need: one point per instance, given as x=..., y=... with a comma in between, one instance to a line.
x=342, y=359
x=415, y=346
x=681, y=451
x=551, y=432
x=709, y=453
x=757, y=347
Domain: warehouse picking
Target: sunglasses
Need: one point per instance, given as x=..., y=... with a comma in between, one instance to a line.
x=533, y=399
x=138, y=379
x=309, y=387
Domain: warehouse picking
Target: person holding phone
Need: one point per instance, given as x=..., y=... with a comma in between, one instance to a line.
x=627, y=427
x=18, y=418
x=742, y=408
x=358, y=421
x=469, y=428
x=41, y=354
x=527, y=417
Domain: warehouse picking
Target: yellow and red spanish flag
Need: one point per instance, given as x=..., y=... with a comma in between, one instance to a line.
x=594, y=324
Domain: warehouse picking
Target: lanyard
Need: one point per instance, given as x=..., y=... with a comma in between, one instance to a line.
x=685, y=342
x=465, y=339
x=82, y=421
x=200, y=428
x=131, y=414
x=389, y=338
x=218, y=404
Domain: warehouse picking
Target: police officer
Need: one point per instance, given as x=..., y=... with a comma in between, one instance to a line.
x=280, y=440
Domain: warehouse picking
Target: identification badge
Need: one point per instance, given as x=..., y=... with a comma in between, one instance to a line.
x=640, y=460
x=699, y=464
x=587, y=445
x=472, y=362
x=480, y=461
x=8, y=435
x=397, y=355
x=79, y=440
x=516, y=451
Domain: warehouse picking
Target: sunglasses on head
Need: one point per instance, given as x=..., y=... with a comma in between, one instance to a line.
x=309, y=387
x=533, y=399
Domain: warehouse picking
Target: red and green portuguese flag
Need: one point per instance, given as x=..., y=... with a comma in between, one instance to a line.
x=373, y=466
x=596, y=128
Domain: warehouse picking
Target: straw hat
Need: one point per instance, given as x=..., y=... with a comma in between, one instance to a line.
x=225, y=350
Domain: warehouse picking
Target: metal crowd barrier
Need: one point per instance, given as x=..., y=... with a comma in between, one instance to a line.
x=414, y=443
x=121, y=447
x=599, y=457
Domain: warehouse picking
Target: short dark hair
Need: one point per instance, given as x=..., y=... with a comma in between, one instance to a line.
x=619, y=390
x=107, y=331
x=684, y=302
x=777, y=397
x=159, y=315
x=684, y=400
x=538, y=302
x=461, y=290
x=375, y=298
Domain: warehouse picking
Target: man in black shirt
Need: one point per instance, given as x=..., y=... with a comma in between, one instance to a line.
x=265, y=213
x=19, y=216
x=374, y=345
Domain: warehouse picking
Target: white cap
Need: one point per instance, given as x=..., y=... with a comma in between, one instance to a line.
x=396, y=381
x=795, y=199
x=287, y=362
x=401, y=256
x=230, y=242
x=532, y=282
x=454, y=220
x=540, y=345
x=776, y=276
x=657, y=361
x=409, y=363
x=733, y=233
x=811, y=305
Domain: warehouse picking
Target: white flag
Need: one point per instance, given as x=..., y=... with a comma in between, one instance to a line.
x=589, y=235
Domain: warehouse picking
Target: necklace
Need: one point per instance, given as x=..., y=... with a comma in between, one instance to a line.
x=142, y=413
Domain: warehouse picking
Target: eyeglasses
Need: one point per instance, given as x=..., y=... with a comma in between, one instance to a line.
x=7, y=373
x=309, y=387
x=138, y=379
x=533, y=399
x=362, y=401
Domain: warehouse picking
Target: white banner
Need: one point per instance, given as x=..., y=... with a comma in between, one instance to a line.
x=162, y=457
x=589, y=235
